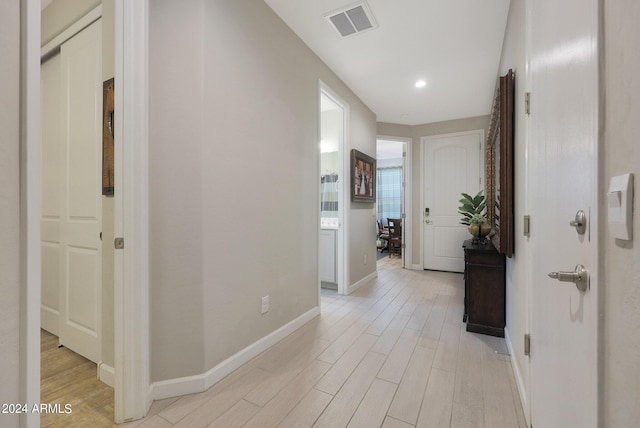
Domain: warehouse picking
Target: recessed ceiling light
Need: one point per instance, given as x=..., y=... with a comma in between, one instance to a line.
x=421, y=84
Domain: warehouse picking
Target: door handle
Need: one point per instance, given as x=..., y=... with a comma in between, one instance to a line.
x=580, y=277
x=428, y=221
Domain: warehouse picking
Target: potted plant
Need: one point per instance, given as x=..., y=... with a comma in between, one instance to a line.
x=473, y=215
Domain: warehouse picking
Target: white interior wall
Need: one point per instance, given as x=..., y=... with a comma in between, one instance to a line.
x=517, y=305
x=234, y=169
x=10, y=365
x=620, y=282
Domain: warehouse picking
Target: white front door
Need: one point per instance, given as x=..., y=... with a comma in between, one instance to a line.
x=80, y=193
x=563, y=174
x=451, y=166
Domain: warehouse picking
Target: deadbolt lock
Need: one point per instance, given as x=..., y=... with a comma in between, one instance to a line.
x=580, y=222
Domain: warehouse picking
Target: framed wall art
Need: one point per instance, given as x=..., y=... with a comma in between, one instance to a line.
x=363, y=177
x=107, y=137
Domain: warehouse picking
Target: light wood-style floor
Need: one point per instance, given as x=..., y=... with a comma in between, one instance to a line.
x=395, y=354
x=68, y=378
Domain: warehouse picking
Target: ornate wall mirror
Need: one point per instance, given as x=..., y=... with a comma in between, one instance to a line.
x=499, y=165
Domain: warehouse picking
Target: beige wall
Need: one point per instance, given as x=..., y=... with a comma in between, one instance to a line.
x=10, y=207
x=415, y=133
x=234, y=180
x=621, y=264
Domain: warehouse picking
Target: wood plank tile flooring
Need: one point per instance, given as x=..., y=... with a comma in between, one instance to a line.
x=68, y=378
x=394, y=354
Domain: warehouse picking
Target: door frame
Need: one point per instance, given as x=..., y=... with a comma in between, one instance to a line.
x=131, y=276
x=131, y=174
x=423, y=142
x=344, y=160
x=407, y=195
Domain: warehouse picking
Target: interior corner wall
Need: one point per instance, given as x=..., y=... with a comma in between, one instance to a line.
x=517, y=269
x=10, y=208
x=234, y=179
x=620, y=267
x=415, y=133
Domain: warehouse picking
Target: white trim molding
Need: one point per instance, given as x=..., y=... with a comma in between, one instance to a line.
x=353, y=287
x=106, y=374
x=517, y=374
x=199, y=383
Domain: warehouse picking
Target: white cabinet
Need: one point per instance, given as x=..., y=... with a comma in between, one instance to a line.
x=328, y=255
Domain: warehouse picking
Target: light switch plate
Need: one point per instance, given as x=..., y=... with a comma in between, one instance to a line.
x=620, y=207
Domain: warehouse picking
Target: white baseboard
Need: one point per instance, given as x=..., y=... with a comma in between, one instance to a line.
x=199, y=383
x=517, y=373
x=416, y=267
x=363, y=281
x=106, y=374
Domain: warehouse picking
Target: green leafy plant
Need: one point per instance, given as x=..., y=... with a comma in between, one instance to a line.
x=472, y=209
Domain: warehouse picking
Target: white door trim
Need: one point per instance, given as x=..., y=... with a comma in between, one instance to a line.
x=423, y=142
x=407, y=229
x=344, y=203
x=131, y=277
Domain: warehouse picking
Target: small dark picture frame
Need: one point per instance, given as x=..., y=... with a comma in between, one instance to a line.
x=363, y=177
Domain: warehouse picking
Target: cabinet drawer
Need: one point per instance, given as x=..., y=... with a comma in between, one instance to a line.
x=484, y=258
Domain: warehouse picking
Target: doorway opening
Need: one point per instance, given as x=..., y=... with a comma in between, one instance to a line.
x=333, y=188
x=74, y=313
x=393, y=198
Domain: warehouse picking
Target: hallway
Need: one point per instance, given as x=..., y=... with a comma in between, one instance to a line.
x=394, y=354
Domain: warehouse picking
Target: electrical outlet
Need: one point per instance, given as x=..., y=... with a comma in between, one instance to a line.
x=265, y=305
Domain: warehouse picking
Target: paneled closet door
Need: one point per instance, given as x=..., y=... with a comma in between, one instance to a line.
x=81, y=210
x=51, y=105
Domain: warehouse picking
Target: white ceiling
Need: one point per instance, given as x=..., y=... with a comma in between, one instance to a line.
x=454, y=45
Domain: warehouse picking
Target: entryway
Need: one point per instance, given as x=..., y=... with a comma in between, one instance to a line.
x=451, y=165
x=333, y=188
x=391, y=155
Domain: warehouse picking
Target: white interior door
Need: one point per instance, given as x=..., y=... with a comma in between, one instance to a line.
x=52, y=149
x=564, y=147
x=80, y=207
x=451, y=166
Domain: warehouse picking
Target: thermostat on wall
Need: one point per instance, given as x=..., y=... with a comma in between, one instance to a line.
x=620, y=204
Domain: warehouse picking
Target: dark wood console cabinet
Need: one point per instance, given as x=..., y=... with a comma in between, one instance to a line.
x=484, y=288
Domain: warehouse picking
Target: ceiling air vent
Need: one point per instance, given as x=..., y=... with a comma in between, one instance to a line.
x=352, y=20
